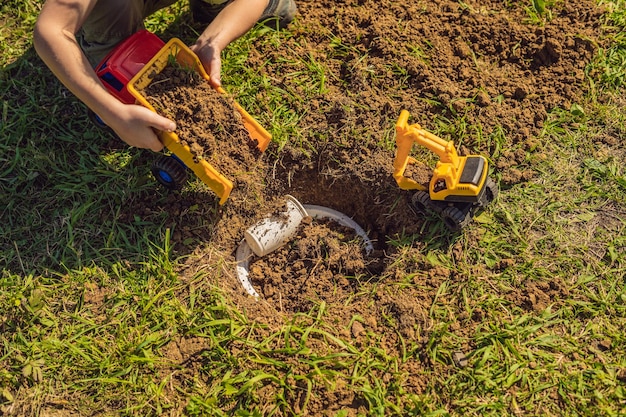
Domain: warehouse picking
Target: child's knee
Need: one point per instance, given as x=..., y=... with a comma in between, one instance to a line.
x=279, y=13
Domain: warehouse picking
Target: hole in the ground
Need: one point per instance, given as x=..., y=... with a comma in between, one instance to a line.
x=325, y=258
x=375, y=203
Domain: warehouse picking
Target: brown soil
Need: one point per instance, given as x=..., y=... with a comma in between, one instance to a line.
x=207, y=120
x=322, y=256
x=479, y=59
x=209, y=124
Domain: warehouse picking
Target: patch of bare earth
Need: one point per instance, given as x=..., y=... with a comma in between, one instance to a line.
x=481, y=60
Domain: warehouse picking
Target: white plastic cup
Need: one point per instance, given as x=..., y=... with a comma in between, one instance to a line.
x=274, y=231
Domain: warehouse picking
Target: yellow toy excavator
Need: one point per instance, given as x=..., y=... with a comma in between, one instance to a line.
x=459, y=186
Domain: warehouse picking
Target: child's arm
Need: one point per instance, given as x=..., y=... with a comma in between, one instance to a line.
x=55, y=42
x=232, y=22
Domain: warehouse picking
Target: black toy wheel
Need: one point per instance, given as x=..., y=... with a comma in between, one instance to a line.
x=170, y=172
x=490, y=194
x=454, y=218
x=491, y=190
x=421, y=202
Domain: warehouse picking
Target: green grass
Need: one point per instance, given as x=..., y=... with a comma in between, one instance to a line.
x=93, y=307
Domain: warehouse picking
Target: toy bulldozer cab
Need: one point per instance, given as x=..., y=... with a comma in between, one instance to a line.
x=459, y=186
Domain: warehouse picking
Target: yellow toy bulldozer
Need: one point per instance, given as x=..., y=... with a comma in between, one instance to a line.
x=459, y=187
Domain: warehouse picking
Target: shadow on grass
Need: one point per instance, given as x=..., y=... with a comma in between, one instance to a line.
x=73, y=194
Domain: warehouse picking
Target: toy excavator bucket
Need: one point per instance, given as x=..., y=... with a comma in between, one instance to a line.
x=175, y=48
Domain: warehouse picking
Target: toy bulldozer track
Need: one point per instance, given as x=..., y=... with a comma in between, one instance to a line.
x=217, y=182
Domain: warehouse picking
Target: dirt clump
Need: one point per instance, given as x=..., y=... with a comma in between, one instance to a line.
x=320, y=262
x=206, y=120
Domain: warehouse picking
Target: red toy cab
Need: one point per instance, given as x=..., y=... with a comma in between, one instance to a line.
x=123, y=62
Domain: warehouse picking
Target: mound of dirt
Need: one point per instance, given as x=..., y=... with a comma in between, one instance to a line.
x=486, y=62
x=207, y=121
x=322, y=258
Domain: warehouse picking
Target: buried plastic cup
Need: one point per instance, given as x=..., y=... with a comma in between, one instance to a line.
x=274, y=231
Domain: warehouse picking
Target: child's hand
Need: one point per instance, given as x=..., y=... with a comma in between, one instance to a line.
x=211, y=61
x=237, y=17
x=137, y=126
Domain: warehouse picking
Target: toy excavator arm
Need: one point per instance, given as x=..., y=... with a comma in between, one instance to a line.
x=405, y=136
x=404, y=143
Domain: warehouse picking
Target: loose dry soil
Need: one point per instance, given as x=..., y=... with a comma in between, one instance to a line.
x=440, y=57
